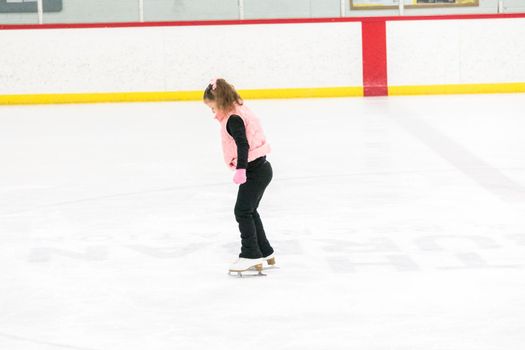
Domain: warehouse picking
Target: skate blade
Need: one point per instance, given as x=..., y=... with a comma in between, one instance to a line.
x=270, y=267
x=258, y=267
x=243, y=274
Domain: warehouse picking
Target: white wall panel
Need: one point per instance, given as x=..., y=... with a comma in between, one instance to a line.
x=180, y=58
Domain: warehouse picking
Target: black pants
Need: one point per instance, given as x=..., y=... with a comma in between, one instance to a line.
x=254, y=243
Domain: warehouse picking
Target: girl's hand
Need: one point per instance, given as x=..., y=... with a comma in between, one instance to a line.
x=240, y=176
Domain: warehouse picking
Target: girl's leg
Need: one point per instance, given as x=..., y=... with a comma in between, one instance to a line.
x=264, y=244
x=244, y=207
x=248, y=198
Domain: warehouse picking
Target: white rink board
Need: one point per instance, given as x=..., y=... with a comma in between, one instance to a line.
x=455, y=51
x=180, y=58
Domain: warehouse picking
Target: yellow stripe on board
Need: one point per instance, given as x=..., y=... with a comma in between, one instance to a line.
x=351, y=91
x=175, y=96
x=100, y=97
x=456, y=89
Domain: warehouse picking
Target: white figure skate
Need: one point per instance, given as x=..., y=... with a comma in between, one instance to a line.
x=244, y=264
x=270, y=260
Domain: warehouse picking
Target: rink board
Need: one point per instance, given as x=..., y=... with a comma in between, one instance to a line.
x=299, y=58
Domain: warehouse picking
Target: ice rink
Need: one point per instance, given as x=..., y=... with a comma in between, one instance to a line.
x=398, y=224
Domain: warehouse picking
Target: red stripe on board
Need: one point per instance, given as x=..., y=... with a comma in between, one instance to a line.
x=374, y=59
x=253, y=21
x=175, y=23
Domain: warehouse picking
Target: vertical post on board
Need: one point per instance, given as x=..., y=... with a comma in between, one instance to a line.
x=141, y=10
x=500, y=6
x=343, y=7
x=241, y=9
x=40, y=10
x=401, y=7
x=375, y=80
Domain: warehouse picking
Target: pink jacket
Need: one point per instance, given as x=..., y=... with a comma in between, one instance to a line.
x=254, y=134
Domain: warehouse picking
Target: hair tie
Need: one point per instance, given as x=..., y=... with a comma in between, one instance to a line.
x=213, y=83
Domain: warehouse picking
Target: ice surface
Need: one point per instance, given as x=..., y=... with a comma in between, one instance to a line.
x=398, y=223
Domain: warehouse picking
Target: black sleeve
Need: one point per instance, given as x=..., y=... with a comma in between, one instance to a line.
x=235, y=127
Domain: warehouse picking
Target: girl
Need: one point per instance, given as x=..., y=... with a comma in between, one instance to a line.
x=244, y=147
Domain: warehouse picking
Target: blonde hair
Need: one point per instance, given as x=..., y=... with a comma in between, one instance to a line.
x=223, y=93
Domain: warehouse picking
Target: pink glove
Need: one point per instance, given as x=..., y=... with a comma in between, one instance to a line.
x=240, y=176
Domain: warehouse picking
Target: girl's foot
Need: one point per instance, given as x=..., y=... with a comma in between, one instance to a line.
x=270, y=259
x=244, y=264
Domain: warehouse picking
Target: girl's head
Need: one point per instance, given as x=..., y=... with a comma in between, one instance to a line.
x=220, y=96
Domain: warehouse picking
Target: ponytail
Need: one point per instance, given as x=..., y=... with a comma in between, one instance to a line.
x=223, y=93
